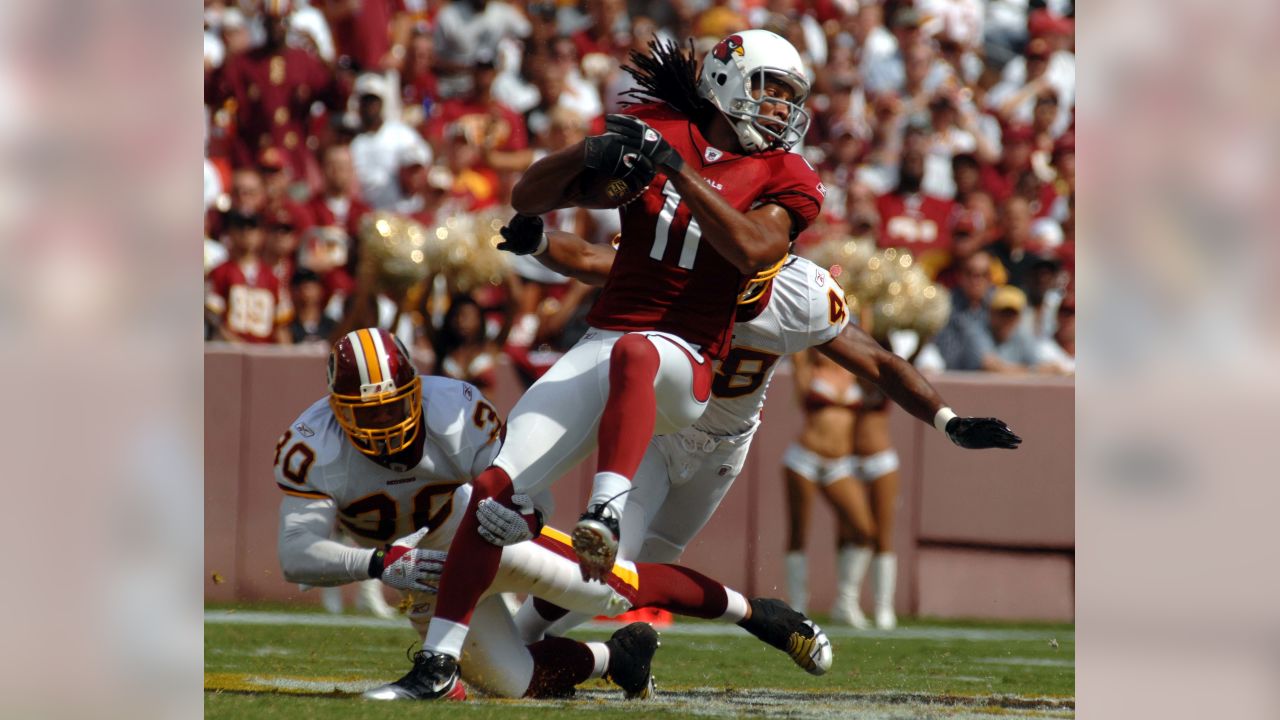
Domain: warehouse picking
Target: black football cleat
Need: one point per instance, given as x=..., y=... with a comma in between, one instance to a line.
x=434, y=676
x=595, y=540
x=631, y=651
x=774, y=622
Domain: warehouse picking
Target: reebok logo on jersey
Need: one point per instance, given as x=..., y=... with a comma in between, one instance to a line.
x=466, y=392
x=822, y=189
x=304, y=430
x=712, y=155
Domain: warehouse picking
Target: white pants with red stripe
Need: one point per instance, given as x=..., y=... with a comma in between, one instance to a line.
x=554, y=424
x=494, y=658
x=681, y=482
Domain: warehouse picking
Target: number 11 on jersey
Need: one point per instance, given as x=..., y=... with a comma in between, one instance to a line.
x=662, y=232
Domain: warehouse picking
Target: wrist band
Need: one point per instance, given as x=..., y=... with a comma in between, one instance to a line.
x=942, y=418
x=542, y=245
x=375, y=563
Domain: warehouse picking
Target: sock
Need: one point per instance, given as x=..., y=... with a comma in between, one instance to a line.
x=600, y=653
x=631, y=411
x=462, y=584
x=851, y=567
x=798, y=581
x=682, y=591
x=558, y=665
x=609, y=488
x=736, y=609
x=534, y=617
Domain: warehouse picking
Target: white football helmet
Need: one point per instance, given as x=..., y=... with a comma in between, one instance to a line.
x=746, y=58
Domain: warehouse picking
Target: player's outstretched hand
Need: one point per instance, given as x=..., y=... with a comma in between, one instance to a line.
x=523, y=235
x=502, y=526
x=977, y=433
x=637, y=134
x=408, y=567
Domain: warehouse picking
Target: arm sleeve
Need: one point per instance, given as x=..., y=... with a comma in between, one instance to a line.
x=797, y=189
x=307, y=554
x=828, y=312
x=487, y=431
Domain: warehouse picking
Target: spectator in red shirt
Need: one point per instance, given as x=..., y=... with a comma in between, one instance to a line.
x=248, y=197
x=484, y=121
x=244, y=301
x=372, y=34
x=1001, y=179
x=272, y=89
x=276, y=180
x=281, y=250
x=337, y=204
x=909, y=218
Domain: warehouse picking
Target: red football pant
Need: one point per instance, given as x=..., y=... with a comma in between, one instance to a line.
x=630, y=413
x=462, y=583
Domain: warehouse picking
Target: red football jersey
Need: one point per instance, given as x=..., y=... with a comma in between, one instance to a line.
x=917, y=222
x=664, y=278
x=250, y=300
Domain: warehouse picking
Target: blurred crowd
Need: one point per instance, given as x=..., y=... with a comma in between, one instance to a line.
x=944, y=128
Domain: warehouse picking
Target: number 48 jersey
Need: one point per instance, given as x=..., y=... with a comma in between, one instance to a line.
x=805, y=308
x=664, y=277
x=376, y=504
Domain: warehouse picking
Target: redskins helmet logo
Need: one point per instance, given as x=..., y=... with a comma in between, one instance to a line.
x=729, y=46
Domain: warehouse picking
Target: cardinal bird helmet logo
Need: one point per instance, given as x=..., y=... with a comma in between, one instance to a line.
x=727, y=47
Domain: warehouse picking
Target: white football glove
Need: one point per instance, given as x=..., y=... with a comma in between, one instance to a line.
x=503, y=526
x=408, y=567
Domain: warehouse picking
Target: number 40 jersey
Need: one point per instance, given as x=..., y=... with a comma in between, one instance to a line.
x=665, y=277
x=804, y=308
x=460, y=435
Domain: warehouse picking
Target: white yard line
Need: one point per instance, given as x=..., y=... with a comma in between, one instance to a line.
x=931, y=632
x=1033, y=662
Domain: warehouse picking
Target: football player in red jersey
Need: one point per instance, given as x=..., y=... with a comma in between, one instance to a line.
x=722, y=200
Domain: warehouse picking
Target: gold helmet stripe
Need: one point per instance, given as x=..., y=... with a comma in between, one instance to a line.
x=370, y=356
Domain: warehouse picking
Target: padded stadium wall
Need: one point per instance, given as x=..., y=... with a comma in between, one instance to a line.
x=980, y=534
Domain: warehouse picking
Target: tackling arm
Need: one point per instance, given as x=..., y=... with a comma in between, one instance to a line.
x=571, y=255
x=854, y=350
x=307, y=554
x=858, y=353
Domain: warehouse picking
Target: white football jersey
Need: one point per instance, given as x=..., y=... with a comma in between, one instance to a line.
x=377, y=504
x=806, y=309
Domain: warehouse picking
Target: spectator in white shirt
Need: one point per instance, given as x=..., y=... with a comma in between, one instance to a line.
x=382, y=142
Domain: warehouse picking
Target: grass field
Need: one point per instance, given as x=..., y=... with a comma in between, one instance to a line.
x=285, y=663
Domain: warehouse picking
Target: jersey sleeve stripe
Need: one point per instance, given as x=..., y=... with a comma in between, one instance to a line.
x=302, y=493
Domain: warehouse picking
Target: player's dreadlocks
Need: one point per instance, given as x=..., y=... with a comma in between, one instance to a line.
x=668, y=75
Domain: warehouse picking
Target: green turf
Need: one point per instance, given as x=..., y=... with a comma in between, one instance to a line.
x=940, y=667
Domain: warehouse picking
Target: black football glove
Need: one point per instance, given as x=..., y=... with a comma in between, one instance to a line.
x=613, y=157
x=977, y=433
x=522, y=235
x=637, y=134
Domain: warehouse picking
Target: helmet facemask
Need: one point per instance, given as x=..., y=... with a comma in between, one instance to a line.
x=381, y=420
x=758, y=130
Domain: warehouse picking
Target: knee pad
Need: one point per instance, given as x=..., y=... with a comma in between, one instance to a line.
x=874, y=467
x=633, y=349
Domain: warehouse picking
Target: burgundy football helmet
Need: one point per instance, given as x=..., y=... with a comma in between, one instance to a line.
x=375, y=391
